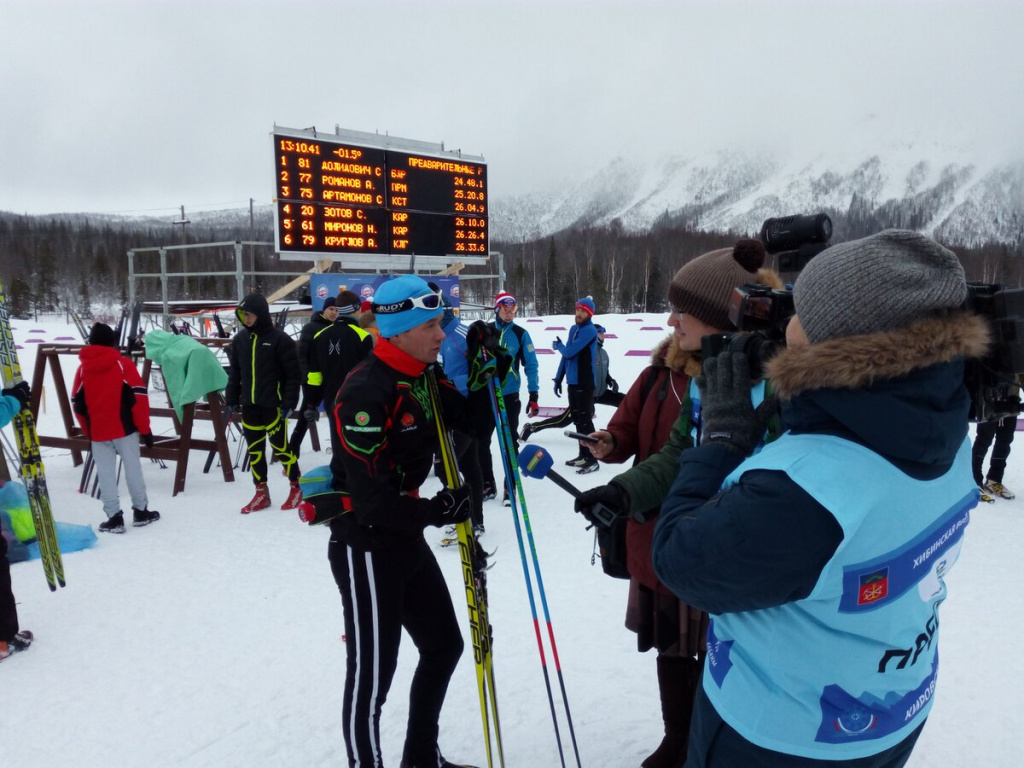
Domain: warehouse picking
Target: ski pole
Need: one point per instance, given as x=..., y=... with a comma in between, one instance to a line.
x=503, y=449
x=511, y=467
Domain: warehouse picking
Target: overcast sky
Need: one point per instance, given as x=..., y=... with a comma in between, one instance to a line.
x=142, y=106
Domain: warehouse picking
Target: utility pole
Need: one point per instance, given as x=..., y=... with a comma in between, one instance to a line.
x=252, y=248
x=184, y=258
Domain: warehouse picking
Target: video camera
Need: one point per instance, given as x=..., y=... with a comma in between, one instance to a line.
x=761, y=313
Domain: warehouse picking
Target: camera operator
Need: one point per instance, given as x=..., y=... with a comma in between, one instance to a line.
x=821, y=559
x=1002, y=431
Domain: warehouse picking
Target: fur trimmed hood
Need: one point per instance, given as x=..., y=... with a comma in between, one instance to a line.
x=668, y=355
x=855, y=362
x=901, y=393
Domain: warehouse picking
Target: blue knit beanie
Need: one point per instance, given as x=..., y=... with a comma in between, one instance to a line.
x=394, y=291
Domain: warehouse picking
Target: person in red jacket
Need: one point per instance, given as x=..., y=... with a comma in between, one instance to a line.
x=112, y=407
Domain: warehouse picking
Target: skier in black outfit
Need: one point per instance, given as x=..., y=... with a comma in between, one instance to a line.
x=317, y=322
x=263, y=378
x=384, y=569
x=1003, y=431
x=333, y=352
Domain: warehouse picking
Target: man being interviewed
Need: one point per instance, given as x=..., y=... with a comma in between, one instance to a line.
x=384, y=569
x=822, y=559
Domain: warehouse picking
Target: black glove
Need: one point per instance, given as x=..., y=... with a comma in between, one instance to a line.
x=312, y=415
x=558, y=387
x=727, y=415
x=452, y=507
x=22, y=392
x=481, y=335
x=531, y=406
x=602, y=505
x=613, y=385
x=148, y=440
x=480, y=372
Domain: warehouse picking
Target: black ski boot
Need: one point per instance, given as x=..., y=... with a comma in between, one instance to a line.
x=113, y=524
x=141, y=517
x=19, y=642
x=432, y=761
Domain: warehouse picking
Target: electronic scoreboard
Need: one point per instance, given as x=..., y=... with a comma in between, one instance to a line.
x=364, y=194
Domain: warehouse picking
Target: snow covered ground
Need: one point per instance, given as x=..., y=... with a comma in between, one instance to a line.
x=213, y=639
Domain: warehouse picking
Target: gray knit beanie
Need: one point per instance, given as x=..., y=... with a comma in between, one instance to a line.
x=878, y=283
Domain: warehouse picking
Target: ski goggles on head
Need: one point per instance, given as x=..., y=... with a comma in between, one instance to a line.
x=507, y=302
x=427, y=301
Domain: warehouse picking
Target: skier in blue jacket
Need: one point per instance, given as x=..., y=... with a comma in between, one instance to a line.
x=822, y=559
x=516, y=340
x=579, y=354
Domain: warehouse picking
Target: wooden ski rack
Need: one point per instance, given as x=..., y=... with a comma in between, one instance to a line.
x=175, y=448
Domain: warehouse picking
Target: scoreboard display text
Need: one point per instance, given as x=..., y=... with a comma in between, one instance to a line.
x=337, y=198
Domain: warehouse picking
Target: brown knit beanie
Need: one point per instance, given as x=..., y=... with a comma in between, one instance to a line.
x=703, y=287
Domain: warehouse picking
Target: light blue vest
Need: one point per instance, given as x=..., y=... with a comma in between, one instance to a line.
x=850, y=670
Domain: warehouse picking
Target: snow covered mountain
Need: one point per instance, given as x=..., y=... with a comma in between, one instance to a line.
x=942, y=191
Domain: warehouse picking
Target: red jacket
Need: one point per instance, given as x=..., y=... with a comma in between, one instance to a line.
x=110, y=399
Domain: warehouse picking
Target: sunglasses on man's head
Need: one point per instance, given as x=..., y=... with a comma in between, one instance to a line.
x=507, y=303
x=427, y=301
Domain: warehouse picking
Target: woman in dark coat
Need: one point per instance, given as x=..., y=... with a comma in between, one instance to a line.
x=654, y=424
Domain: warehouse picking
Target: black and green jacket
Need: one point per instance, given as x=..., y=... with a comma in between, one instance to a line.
x=263, y=365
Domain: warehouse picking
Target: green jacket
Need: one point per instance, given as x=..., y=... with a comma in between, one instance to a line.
x=649, y=482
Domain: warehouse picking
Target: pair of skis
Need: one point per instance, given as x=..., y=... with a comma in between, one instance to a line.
x=32, y=472
x=474, y=576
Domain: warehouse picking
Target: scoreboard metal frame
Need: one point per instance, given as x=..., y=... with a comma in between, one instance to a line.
x=381, y=198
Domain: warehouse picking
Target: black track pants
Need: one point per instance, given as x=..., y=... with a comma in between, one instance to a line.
x=383, y=592
x=1003, y=431
x=512, y=407
x=8, y=609
x=260, y=425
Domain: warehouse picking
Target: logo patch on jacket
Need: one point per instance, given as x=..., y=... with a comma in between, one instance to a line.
x=362, y=420
x=408, y=420
x=873, y=586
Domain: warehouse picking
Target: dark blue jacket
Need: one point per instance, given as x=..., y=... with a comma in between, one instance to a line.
x=765, y=541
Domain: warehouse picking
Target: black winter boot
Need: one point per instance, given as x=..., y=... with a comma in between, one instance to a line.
x=431, y=761
x=677, y=683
